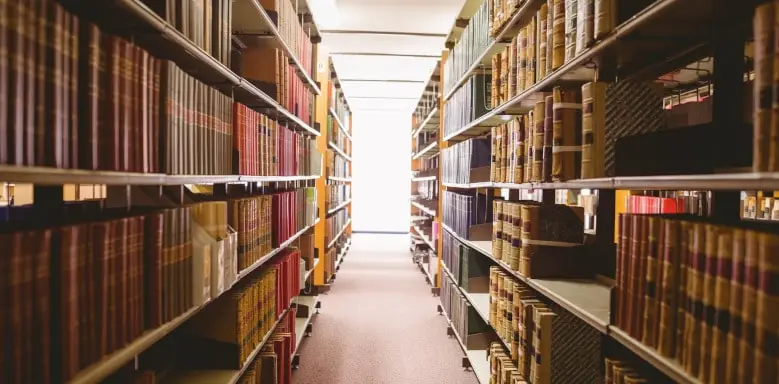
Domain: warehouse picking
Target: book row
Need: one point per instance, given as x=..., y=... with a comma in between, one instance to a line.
x=468, y=269
x=461, y=211
x=250, y=310
x=557, y=32
x=470, y=328
x=699, y=292
x=207, y=23
x=760, y=208
x=337, y=166
x=268, y=68
x=78, y=292
x=337, y=136
x=427, y=189
x=427, y=103
x=338, y=102
x=337, y=194
x=288, y=22
x=265, y=148
x=547, y=344
x=468, y=103
x=336, y=224
x=459, y=159
x=264, y=222
x=570, y=134
x=118, y=108
x=427, y=167
x=473, y=41
x=693, y=203
x=540, y=240
x=273, y=365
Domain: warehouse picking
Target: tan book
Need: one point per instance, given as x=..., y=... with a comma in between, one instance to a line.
x=522, y=60
x=530, y=76
x=497, y=227
x=566, y=135
x=558, y=34
x=593, y=130
x=539, y=113
x=605, y=17
x=542, y=38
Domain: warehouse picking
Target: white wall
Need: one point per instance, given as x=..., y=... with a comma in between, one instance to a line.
x=381, y=171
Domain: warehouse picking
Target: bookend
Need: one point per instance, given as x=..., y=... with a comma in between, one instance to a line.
x=309, y=330
x=466, y=363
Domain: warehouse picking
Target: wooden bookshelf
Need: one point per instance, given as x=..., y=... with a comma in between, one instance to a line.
x=425, y=155
x=176, y=47
x=251, y=21
x=618, y=55
x=53, y=196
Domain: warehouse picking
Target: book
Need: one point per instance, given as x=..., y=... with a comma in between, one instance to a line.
x=567, y=135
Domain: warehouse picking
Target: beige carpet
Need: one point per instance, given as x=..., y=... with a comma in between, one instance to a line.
x=379, y=325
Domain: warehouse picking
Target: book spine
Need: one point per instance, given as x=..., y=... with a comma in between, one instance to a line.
x=558, y=34
x=593, y=130
x=538, y=141
x=731, y=322
x=567, y=135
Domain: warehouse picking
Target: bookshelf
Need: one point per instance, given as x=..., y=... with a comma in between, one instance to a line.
x=178, y=182
x=425, y=155
x=523, y=83
x=337, y=118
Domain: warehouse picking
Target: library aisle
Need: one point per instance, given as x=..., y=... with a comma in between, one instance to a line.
x=379, y=325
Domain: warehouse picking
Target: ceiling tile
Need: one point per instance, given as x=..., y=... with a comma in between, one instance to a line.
x=395, y=44
x=383, y=68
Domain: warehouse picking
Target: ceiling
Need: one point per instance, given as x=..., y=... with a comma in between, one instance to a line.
x=384, y=51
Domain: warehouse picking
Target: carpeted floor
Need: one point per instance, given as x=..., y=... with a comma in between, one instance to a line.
x=379, y=325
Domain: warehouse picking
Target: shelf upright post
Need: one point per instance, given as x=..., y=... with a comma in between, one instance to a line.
x=322, y=101
x=727, y=112
x=442, y=144
x=348, y=230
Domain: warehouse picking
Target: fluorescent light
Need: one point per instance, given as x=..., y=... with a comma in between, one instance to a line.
x=325, y=13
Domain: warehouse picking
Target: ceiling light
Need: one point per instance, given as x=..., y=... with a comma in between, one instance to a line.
x=325, y=13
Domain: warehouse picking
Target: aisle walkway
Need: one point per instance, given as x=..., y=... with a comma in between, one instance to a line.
x=379, y=325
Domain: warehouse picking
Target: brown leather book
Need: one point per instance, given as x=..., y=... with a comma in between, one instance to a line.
x=623, y=254
x=695, y=278
x=765, y=364
x=670, y=290
x=720, y=328
x=522, y=60
x=733, y=315
x=708, y=302
x=651, y=281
